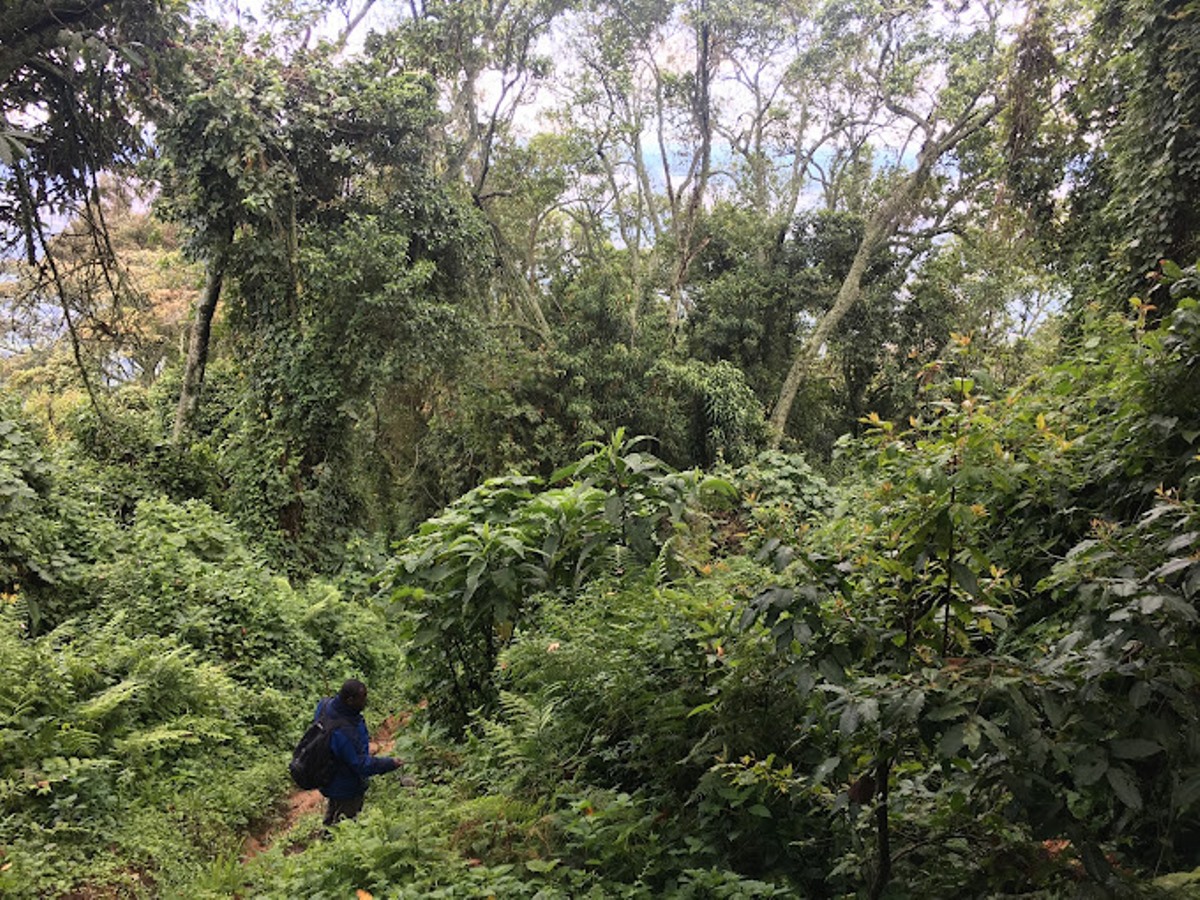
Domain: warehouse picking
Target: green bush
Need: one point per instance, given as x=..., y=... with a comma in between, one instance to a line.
x=462, y=582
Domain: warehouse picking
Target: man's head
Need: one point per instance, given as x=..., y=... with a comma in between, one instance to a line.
x=353, y=694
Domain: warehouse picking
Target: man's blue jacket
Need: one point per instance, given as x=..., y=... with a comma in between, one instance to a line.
x=350, y=745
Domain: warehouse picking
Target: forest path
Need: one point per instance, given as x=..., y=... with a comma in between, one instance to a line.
x=300, y=803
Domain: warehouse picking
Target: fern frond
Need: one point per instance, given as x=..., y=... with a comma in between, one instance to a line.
x=156, y=739
x=109, y=700
x=503, y=742
x=662, y=563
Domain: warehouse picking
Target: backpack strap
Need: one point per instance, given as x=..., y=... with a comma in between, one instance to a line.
x=329, y=721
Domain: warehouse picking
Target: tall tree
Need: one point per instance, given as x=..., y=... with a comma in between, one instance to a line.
x=307, y=180
x=645, y=79
x=938, y=82
x=489, y=61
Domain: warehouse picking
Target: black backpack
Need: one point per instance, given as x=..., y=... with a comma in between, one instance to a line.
x=312, y=764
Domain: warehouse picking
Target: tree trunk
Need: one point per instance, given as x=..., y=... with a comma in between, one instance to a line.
x=685, y=229
x=880, y=228
x=806, y=355
x=883, y=869
x=197, y=358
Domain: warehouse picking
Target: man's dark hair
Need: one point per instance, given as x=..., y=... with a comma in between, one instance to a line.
x=353, y=691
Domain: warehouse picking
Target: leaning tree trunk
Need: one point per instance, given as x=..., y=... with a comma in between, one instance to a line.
x=197, y=358
x=880, y=228
x=807, y=354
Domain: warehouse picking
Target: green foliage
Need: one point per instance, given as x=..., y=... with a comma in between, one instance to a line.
x=195, y=579
x=511, y=415
x=726, y=424
x=133, y=458
x=758, y=296
x=621, y=668
x=74, y=81
x=528, y=410
x=966, y=668
x=960, y=661
x=951, y=635
x=782, y=496
x=351, y=272
x=1154, y=86
x=1103, y=122
x=95, y=722
x=31, y=549
x=464, y=579
x=153, y=670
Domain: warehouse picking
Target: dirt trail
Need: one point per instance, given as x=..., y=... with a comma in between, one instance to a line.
x=300, y=803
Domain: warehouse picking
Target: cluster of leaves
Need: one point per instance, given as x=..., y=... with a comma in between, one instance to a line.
x=1001, y=637
x=32, y=548
x=462, y=581
x=602, y=368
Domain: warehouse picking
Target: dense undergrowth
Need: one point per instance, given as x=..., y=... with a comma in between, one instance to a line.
x=963, y=664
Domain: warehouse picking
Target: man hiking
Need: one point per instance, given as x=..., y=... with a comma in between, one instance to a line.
x=350, y=746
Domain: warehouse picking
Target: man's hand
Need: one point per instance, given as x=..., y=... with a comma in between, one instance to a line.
x=405, y=780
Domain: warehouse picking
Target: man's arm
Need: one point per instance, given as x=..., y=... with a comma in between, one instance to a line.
x=358, y=757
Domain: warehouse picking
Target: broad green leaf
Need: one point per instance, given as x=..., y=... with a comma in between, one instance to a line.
x=614, y=509
x=946, y=711
x=1187, y=793
x=1139, y=694
x=1095, y=862
x=1181, y=542
x=952, y=741
x=822, y=771
x=830, y=670
x=1133, y=748
x=971, y=735
x=1150, y=604
x=911, y=706
x=869, y=710
x=702, y=708
x=1124, y=587
x=965, y=578
x=1172, y=566
x=1090, y=767
x=1125, y=787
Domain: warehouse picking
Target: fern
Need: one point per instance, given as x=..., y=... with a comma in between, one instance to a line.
x=155, y=740
x=521, y=739
x=78, y=741
x=100, y=706
x=503, y=742
x=662, y=563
